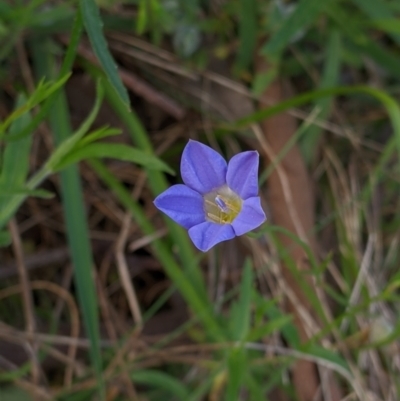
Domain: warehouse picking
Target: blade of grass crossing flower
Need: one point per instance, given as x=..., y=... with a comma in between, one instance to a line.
x=199, y=304
x=75, y=217
x=94, y=28
x=158, y=184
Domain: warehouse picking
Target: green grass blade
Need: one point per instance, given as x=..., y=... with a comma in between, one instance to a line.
x=391, y=106
x=378, y=10
x=305, y=13
x=116, y=151
x=75, y=216
x=158, y=184
x=94, y=28
x=309, y=141
x=247, y=34
x=241, y=311
x=156, y=379
x=15, y=160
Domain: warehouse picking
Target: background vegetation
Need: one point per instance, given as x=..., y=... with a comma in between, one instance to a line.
x=102, y=297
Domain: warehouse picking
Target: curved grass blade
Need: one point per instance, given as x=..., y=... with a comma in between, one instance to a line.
x=94, y=28
x=156, y=379
x=116, y=151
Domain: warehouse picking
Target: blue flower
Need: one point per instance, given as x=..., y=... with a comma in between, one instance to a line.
x=218, y=201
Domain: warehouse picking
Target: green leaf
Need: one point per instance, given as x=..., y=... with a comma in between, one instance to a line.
x=5, y=238
x=101, y=133
x=14, y=394
x=247, y=34
x=327, y=354
x=157, y=379
x=15, y=166
x=305, y=13
x=241, y=311
x=42, y=92
x=379, y=10
x=15, y=160
x=388, y=25
x=237, y=368
x=330, y=75
x=94, y=28
x=115, y=151
x=266, y=329
x=74, y=210
x=71, y=142
x=6, y=191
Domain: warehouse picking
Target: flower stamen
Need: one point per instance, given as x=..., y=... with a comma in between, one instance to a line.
x=222, y=205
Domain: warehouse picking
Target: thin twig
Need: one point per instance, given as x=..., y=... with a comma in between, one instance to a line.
x=26, y=290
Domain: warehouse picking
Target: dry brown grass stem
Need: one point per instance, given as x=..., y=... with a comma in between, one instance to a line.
x=73, y=310
x=284, y=182
x=26, y=291
x=123, y=271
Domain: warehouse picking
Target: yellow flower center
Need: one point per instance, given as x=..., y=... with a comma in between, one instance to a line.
x=222, y=205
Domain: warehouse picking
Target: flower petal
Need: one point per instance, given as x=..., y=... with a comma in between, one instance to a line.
x=208, y=234
x=250, y=217
x=202, y=168
x=182, y=204
x=242, y=175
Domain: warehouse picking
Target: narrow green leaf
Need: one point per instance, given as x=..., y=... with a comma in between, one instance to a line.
x=94, y=28
x=15, y=158
x=6, y=191
x=237, y=368
x=247, y=34
x=15, y=166
x=5, y=238
x=101, y=133
x=288, y=330
x=241, y=311
x=74, y=212
x=157, y=379
x=158, y=184
x=115, y=151
x=43, y=91
x=305, y=13
x=266, y=329
x=378, y=10
x=310, y=138
x=327, y=354
x=70, y=142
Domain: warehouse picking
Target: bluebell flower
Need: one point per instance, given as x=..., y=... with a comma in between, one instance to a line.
x=218, y=201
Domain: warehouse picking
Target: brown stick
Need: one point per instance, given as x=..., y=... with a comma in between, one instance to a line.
x=292, y=206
